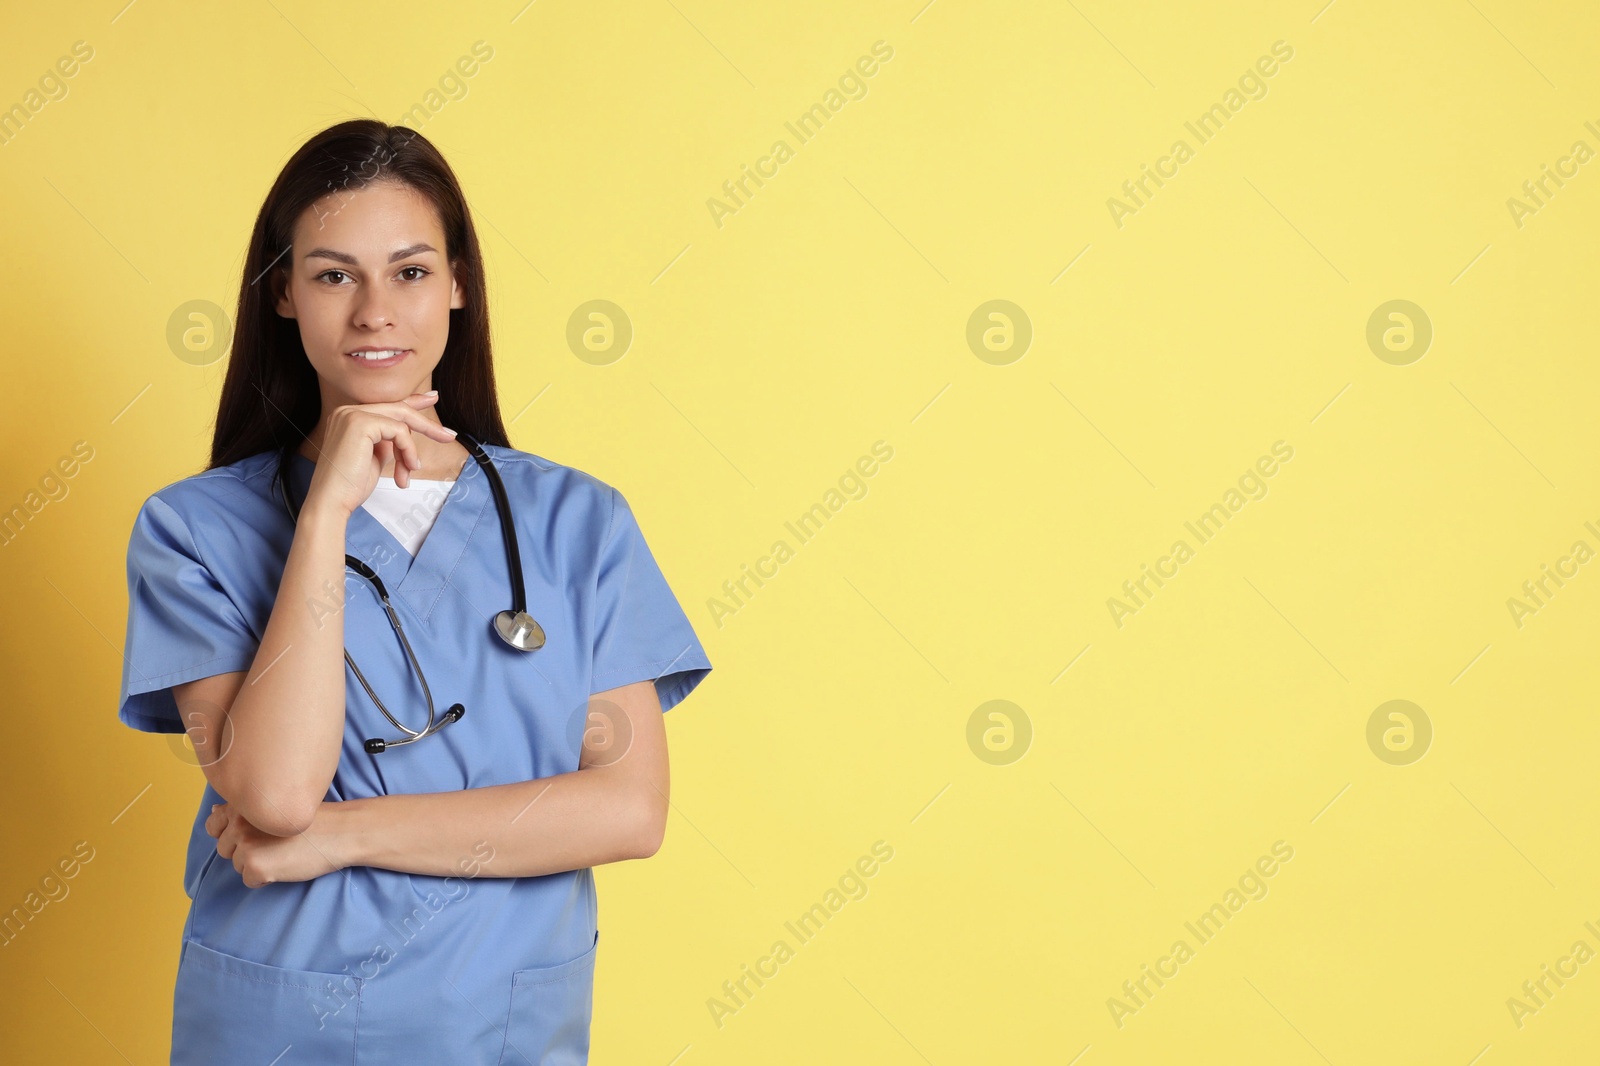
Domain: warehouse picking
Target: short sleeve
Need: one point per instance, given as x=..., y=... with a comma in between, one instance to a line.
x=181, y=623
x=641, y=632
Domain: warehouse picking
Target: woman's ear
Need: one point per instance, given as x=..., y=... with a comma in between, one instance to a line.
x=279, y=281
x=458, y=298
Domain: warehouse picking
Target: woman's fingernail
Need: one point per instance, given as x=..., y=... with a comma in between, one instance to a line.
x=431, y=392
x=214, y=807
x=448, y=430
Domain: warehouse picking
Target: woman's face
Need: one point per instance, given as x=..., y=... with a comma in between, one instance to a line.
x=368, y=271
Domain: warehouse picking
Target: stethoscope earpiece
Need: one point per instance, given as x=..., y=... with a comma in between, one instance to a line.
x=515, y=626
x=377, y=745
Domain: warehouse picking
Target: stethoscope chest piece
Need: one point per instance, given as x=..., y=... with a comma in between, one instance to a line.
x=518, y=629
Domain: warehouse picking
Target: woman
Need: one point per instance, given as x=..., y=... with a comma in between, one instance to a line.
x=360, y=892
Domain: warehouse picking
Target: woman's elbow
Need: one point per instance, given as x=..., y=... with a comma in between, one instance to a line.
x=649, y=826
x=278, y=810
x=281, y=822
x=280, y=816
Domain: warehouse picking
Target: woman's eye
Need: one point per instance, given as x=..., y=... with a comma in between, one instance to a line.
x=327, y=275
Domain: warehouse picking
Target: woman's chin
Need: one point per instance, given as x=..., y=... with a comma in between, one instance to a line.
x=392, y=391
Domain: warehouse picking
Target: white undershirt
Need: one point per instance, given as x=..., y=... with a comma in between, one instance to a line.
x=408, y=513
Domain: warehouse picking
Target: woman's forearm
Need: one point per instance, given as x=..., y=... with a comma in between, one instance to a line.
x=285, y=728
x=570, y=821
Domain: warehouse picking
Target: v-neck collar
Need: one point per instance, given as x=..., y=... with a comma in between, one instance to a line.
x=418, y=581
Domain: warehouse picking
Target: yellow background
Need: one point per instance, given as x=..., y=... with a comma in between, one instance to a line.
x=831, y=312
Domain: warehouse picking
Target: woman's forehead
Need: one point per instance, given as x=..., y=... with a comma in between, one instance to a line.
x=370, y=224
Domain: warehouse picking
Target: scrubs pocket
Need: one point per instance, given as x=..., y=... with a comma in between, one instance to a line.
x=231, y=1010
x=550, y=1009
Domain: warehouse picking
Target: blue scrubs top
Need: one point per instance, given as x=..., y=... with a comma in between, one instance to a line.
x=376, y=966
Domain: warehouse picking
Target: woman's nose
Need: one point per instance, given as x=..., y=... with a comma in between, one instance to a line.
x=373, y=308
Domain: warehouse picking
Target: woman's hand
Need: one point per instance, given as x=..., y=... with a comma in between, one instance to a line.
x=358, y=439
x=262, y=858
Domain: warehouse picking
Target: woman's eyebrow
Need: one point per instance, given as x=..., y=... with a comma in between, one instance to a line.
x=350, y=260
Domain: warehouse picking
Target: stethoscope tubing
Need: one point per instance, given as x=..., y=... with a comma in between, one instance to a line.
x=519, y=606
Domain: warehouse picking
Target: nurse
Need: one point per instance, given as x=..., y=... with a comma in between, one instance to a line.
x=431, y=902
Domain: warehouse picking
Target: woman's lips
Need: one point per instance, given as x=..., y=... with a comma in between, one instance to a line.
x=377, y=360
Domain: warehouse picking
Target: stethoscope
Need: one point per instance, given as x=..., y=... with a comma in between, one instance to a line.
x=515, y=626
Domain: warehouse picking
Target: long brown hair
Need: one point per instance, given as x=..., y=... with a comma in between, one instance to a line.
x=270, y=398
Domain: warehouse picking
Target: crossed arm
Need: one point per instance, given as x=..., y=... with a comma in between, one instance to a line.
x=613, y=807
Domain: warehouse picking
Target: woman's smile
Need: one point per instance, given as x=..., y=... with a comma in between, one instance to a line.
x=378, y=358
